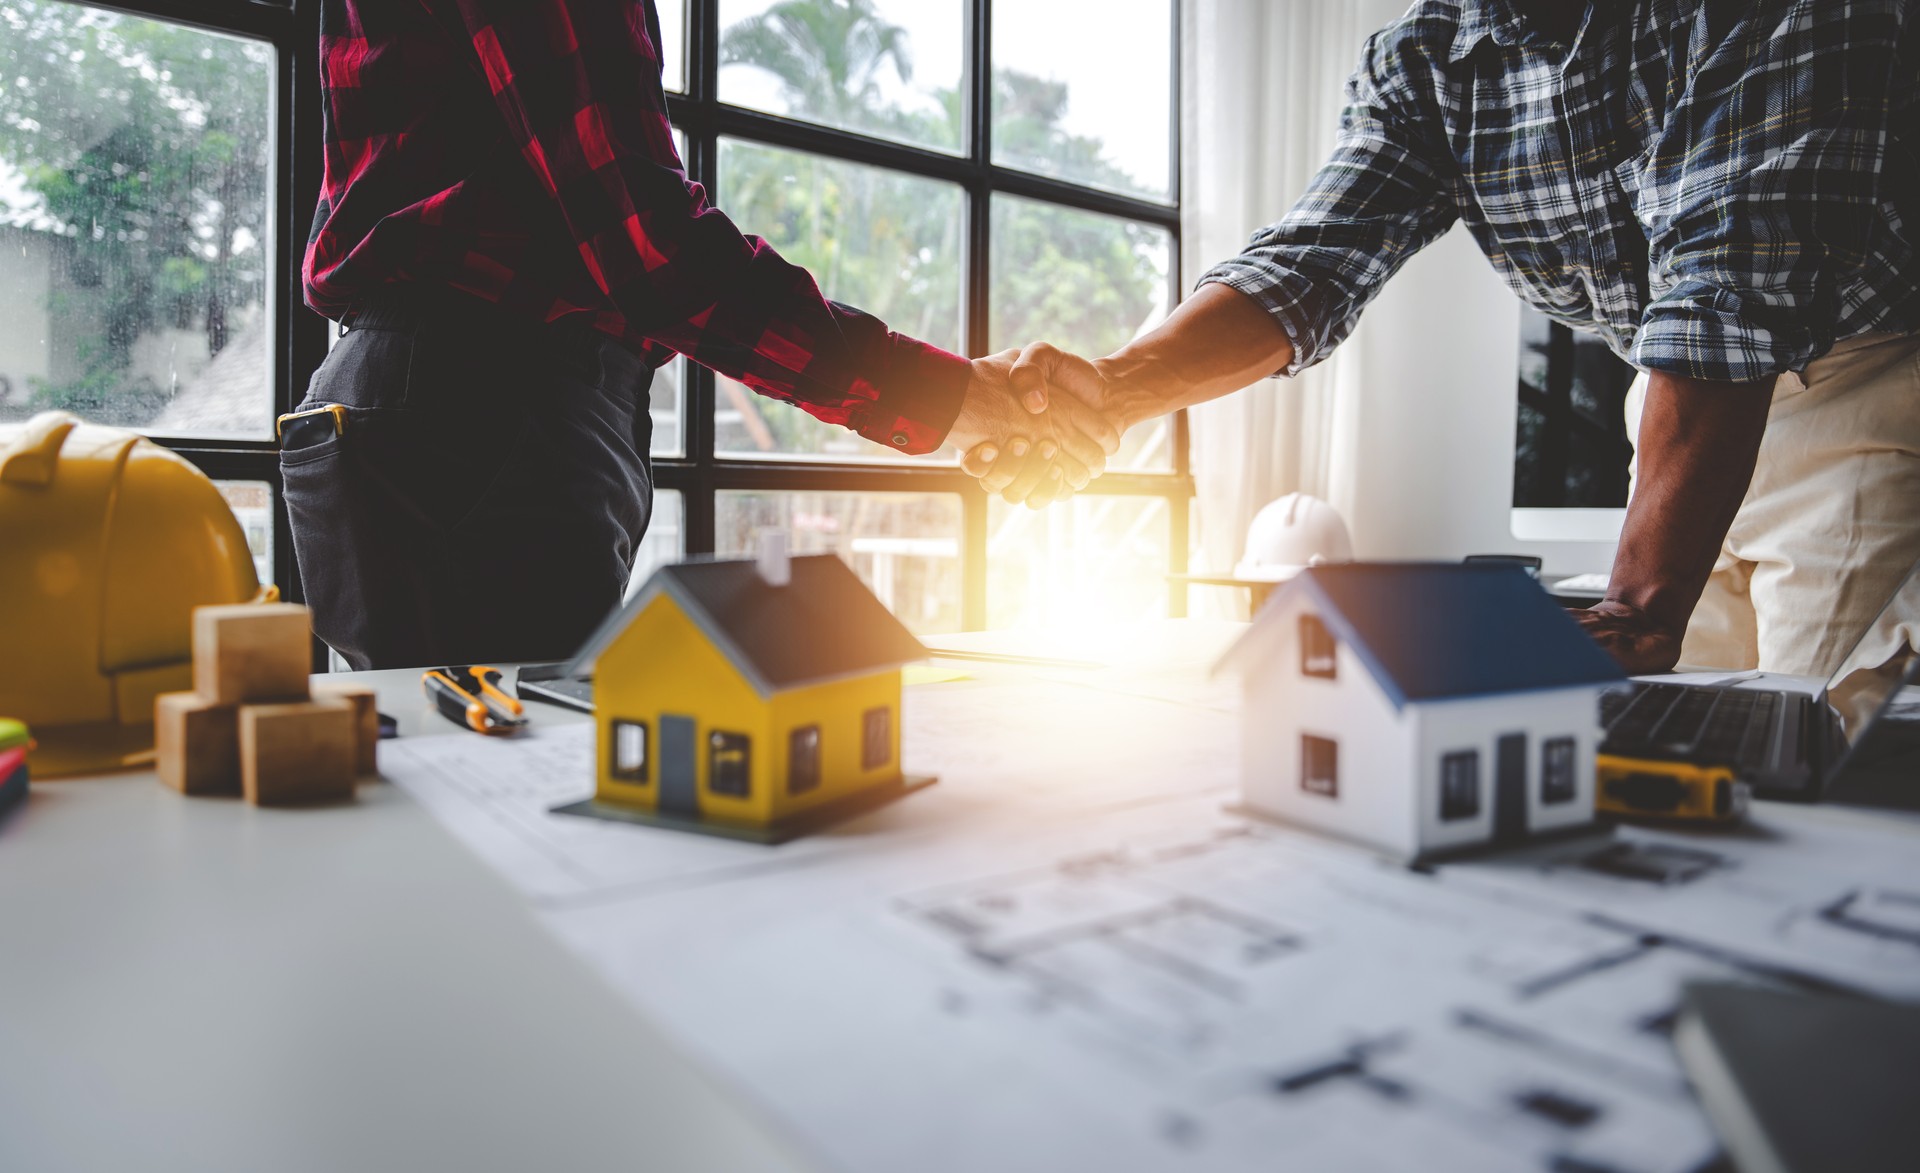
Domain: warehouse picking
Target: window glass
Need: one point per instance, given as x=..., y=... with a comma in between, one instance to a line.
x=803, y=759
x=729, y=764
x=904, y=546
x=1085, y=93
x=888, y=243
x=252, y=505
x=1086, y=283
x=663, y=402
x=888, y=68
x=1316, y=649
x=1558, y=781
x=876, y=739
x=1319, y=765
x=665, y=541
x=673, y=45
x=136, y=164
x=629, y=751
x=1459, y=785
x=1088, y=563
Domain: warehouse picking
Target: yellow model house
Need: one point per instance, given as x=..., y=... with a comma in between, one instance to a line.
x=755, y=699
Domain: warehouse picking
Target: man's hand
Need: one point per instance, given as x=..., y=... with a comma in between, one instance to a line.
x=1641, y=643
x=1696, y=449
x=1047, y=380
x=1059, y=448
x=1212, y=344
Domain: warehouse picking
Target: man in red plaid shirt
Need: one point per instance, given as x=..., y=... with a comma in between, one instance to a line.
x=511, y=245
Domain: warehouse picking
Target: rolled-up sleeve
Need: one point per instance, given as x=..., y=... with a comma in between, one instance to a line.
x=577, y=86
x=1764, y=196
x=1387, y=192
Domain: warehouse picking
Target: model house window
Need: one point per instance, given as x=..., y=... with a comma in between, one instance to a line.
x=1459, y=785
x=803, y=759
x=729, y=764
x=876, y=738
x=1316, y=648
x=1319, y=765
x=1557, y=779
x=629, y=752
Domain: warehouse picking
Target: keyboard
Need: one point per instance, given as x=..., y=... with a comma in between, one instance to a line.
x=1718, y=726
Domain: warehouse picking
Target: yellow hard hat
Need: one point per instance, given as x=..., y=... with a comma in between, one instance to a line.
x=107, y=544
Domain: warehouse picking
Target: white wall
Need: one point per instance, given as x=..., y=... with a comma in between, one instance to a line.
x=1434, y=477
x=1376, y=800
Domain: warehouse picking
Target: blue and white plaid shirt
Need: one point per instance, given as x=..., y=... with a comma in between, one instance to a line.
x=1719, y=188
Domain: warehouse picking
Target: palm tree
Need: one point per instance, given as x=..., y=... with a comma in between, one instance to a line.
x=830, y=56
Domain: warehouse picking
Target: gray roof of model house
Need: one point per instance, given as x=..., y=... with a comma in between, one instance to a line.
x=1438, y=630
x=823, y=624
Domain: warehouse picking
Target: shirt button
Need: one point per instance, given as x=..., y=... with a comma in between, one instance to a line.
x=899, y=439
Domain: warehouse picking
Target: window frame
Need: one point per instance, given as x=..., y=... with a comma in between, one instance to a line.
x=722, y=744
x=697, y=473
x=1319, y=649
x=1556, y=790
x=1313, y=747
x=1459, y=808
x=810, y=738
x=876, y=738
x=641, y=775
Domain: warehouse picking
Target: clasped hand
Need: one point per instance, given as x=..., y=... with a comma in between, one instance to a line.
x=1037, y=425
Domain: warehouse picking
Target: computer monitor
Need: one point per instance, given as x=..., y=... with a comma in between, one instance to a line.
x=1571, y=447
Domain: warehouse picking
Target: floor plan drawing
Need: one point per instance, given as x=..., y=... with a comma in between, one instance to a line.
x=1072, y=954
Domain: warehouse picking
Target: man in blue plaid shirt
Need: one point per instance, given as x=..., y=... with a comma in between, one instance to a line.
x=1726, y=191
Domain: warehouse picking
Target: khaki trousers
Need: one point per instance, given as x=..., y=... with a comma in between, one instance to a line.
x=1830, y=524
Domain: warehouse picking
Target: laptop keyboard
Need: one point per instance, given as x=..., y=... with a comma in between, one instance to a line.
x=1722, y=726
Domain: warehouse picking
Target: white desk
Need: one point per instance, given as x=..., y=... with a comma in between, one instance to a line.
x=196, y=984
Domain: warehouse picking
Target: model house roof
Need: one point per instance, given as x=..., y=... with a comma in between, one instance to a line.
x=1428, y=631
x=822, y=624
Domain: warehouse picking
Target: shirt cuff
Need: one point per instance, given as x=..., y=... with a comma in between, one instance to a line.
x=1704, y=331
x=912, y=407
x=1283, y=295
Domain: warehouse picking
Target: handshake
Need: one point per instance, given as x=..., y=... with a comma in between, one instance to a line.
x=1038, y=424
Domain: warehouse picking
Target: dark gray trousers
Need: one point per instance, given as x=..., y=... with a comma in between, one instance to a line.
x=487, y=497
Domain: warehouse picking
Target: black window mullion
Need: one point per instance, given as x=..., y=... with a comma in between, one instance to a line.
x=979, y=80
x=699, y=493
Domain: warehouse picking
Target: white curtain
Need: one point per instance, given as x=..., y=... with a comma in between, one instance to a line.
x=1262, y=84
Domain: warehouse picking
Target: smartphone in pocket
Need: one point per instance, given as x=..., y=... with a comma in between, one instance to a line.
x=305, y=429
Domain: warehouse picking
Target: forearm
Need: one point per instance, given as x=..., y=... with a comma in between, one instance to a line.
x=1213, y=344
x=1696, y=449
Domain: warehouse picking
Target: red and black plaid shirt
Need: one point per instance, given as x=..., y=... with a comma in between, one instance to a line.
x=519, y=150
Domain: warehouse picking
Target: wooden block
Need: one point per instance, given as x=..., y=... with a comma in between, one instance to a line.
x=299, y=752
x=250, y=653
x=197, y=743
x=366, y=721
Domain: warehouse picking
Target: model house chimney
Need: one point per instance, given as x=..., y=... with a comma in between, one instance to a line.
x=775, y=566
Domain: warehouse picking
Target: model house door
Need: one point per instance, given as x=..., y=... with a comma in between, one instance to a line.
x=1510, y=788
x=679, y=787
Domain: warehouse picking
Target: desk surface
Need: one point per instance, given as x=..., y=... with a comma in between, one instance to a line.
x=203, y=985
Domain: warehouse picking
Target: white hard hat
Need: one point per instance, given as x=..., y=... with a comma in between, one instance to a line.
x=1292, y=533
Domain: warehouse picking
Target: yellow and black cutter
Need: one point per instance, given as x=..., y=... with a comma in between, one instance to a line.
x=471, y=697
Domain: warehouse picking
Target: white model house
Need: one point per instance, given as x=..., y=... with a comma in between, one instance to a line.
x=1419, y=708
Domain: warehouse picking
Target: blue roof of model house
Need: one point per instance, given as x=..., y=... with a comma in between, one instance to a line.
x=1430, y=631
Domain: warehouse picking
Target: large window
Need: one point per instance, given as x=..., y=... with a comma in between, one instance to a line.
x=940, y=163
x=155, y=185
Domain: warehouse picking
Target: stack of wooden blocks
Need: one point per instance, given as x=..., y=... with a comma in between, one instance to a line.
x=252, y=726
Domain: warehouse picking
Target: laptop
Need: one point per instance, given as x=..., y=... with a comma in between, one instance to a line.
x=555, y=684
x=1783, y=744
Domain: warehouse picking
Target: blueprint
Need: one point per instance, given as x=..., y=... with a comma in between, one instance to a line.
x=1069, y=955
